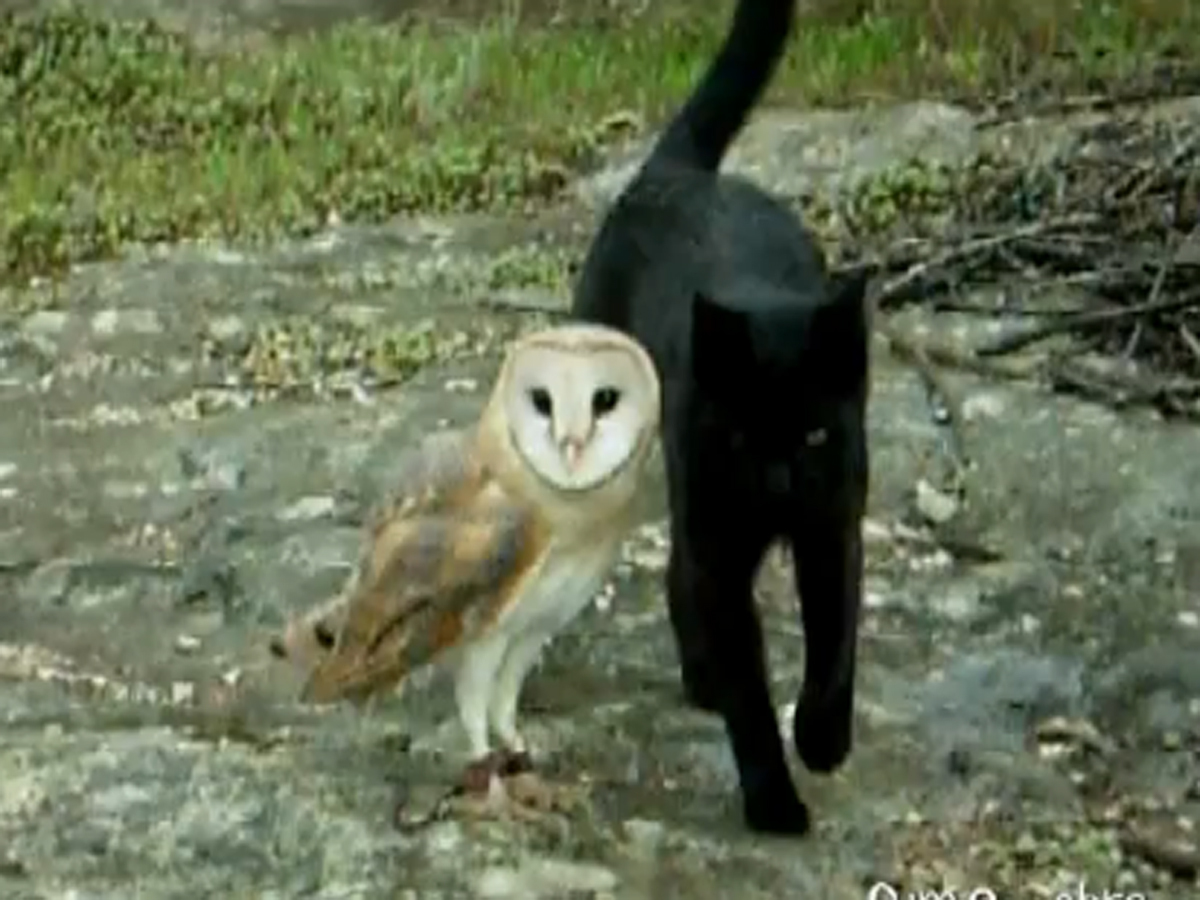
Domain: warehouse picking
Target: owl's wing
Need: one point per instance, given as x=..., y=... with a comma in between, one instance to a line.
x=437, y=474
x=441, y=472
x=428, y=581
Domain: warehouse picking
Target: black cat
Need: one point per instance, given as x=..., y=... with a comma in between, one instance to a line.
x=764, y=361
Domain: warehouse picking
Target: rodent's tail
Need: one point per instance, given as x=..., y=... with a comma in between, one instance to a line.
x=711, y=118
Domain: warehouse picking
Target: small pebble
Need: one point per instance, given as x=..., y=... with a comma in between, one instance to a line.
x=983, y=406
x=604, y=597
x=224, y=328
x=182, y=692
x=45, y=323
x=874, y=599
x=187, y=643
x=128, y=321
x=1126, y=879
x=935, y=506
x=307, y=509
x=1026, y=845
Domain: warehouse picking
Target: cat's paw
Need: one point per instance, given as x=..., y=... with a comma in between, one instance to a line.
x=822, y=735
x=776, y=811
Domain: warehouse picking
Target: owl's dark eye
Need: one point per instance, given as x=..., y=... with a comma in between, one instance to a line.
x=324, y=636
x=604, y=401
x=542, y=404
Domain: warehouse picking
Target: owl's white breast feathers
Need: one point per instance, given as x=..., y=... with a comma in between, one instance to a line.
x=561, y=585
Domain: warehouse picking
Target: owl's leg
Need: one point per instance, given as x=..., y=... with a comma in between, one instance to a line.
x=716, y=586
x=506, y=694
x=525, y=787
x=492, y=786
x=473, y=687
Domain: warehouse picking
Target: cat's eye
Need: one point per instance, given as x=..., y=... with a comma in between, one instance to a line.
x=604, y=401
x=542, y=404
x=816, y=437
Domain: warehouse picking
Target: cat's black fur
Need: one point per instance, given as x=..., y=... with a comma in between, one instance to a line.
x=764, y=362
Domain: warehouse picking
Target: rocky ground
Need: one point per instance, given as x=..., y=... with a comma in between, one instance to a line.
x=189, y=438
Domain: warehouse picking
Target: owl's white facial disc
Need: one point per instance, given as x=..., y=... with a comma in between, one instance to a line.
x=577, y=412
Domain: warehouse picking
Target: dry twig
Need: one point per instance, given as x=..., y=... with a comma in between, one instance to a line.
x=1108, y=217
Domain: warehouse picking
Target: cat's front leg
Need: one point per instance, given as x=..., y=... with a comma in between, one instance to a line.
x=716, y=590
x=699, y=666
x=829, y=560
x=698, y=651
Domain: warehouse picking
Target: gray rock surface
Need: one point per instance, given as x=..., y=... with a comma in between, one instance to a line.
x=161, y=512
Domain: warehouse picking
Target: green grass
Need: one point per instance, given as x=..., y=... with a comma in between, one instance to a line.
x=116, y=133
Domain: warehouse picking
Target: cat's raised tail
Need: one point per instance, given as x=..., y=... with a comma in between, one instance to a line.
x=711, y=118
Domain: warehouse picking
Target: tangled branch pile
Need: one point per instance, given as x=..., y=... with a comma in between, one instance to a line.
x=1102, y=243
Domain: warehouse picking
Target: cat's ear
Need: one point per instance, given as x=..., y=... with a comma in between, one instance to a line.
x=845, y=317
x=843, y=324
x=721, y=341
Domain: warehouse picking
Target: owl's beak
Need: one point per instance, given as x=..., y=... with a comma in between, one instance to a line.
x=572, y=449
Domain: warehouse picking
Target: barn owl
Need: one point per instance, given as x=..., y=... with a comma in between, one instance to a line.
x=495, y=539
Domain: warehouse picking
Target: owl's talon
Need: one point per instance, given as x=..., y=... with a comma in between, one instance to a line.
x=490, y=802
x=501, y=763
x=523, y=796
x=477, y=776
x=498, y=764
x=514, y=762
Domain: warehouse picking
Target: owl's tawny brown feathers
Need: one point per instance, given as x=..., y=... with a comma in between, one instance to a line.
x=441, y=564
x=498, y=535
